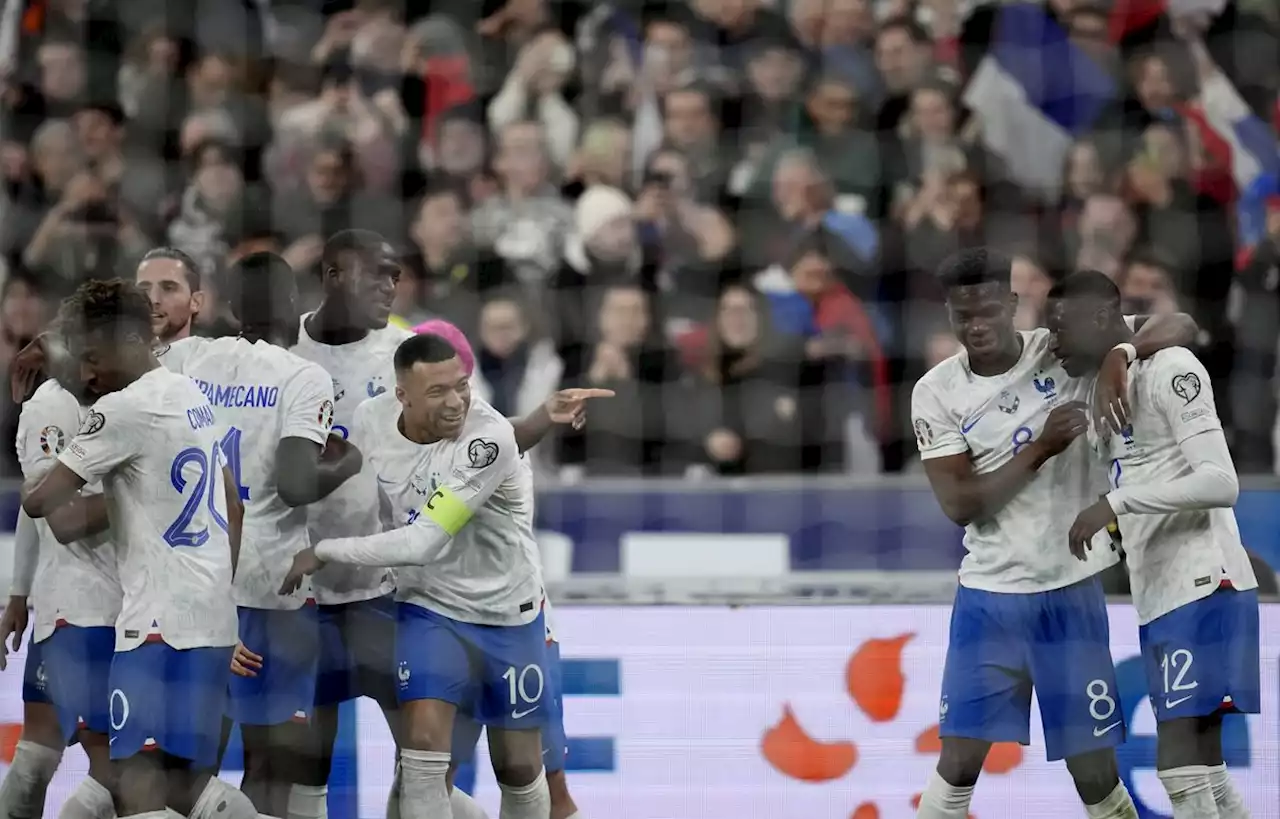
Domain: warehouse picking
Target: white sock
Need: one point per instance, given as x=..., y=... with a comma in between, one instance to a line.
x=155, y=814
x=90, y=800
x=393, y=798
x=219, y=800
x=942, y=800
x=464, y=807
x=1230, y=803
x=1190, y=791
x=309, y=802
x=577, y=814
x=424, y=789
x=532, y=801
x=1117, y=805
x=25, y=785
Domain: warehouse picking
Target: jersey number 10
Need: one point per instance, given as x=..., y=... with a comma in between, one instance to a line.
x=180, y=532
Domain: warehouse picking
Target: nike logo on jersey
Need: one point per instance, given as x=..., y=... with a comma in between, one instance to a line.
x=971, y=423
x=1170, y=704
x=519, y=714
x=1097, y=732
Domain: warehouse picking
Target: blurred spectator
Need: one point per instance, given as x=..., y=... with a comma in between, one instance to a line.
x=758, y=402
x=447, y=275
x=516, y=371
x=607, y=180
x=626, y=353
x=527, y=222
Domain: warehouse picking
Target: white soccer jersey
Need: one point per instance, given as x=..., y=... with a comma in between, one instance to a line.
x=1174, y=558
x=488, y=572
x=260, y=394
x=1022, y=548
x=361, y=370
x=155, y=448
x=76, y=583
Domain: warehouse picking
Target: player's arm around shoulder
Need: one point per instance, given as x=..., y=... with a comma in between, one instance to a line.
x=113, y=433
x=1176, y=388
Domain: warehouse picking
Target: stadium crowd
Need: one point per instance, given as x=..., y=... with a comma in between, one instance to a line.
x=728, y=211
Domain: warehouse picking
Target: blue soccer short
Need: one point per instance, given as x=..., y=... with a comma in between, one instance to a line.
x=358, y=652
x=1056, y=642
x=498, y=673
x=285, y=688
x=466, y=731
x=169, y=699
x=77, y=671
x=1203, y=656
x=35, y=678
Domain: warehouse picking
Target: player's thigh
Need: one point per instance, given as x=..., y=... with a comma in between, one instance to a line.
x=986, y=690
x=336, y=680
x=1073, y=672
x=466, y=737
x=284, y=688
x=370, y=634
x=1202, y=655
x=514, y=690
x=169, y=700
x=41, y=722
x=436, y=674
x=554, y=740
x=78, y=665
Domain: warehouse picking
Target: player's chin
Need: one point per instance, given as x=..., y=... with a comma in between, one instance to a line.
x=450, y=425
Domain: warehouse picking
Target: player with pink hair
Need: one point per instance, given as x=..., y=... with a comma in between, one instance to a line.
x=451, y=333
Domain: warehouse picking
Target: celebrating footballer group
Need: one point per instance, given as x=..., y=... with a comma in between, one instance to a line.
x=248, y=531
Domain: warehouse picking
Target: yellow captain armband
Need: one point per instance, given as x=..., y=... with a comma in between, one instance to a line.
x=447, y=510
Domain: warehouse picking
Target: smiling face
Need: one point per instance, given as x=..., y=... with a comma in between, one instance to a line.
x=435, y=396
x=982, y=318
x=1079, y=338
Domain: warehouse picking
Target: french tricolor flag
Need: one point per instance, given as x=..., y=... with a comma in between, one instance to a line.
x=1036, y=93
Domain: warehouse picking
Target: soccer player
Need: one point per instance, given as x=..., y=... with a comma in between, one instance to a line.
x=149, y=439
x=75, y=591
x=1173, y=485
x=348, y=336
x=274, y=411
x=471, y=630
x=171, y=280
x=569, y=407
x=996, y=425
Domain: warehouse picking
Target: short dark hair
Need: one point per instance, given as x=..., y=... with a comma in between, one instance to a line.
x=249, y=283
x=976, y=265
x=918, y=33
x=426, y=348
x=190, y=268
x=113, y=304
x=1087, y=284
x=364, y=242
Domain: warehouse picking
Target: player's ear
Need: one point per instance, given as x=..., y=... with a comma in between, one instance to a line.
x=198, y=299
x=1013, y=302
x=400, y=395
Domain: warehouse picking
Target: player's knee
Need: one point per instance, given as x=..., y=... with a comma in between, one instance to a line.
x=141, y=784
x=427, y=725
x=1095, y=775
x=960, y=763
x=518, y=770
x=40, y=725
x=218, y=800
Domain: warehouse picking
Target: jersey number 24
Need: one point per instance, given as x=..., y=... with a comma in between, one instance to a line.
x=202, y=489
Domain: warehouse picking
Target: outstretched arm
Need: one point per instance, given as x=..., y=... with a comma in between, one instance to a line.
x=563, y=407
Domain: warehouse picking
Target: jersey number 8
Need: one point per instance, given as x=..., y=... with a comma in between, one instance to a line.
x=180, y=532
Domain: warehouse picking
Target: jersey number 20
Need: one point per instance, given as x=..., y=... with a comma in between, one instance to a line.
x=180, y=532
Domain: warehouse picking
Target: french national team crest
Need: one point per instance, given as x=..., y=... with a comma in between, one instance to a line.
x=1008, y=403
x=482, y=452
x=1046, y=387
x=52, y=439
